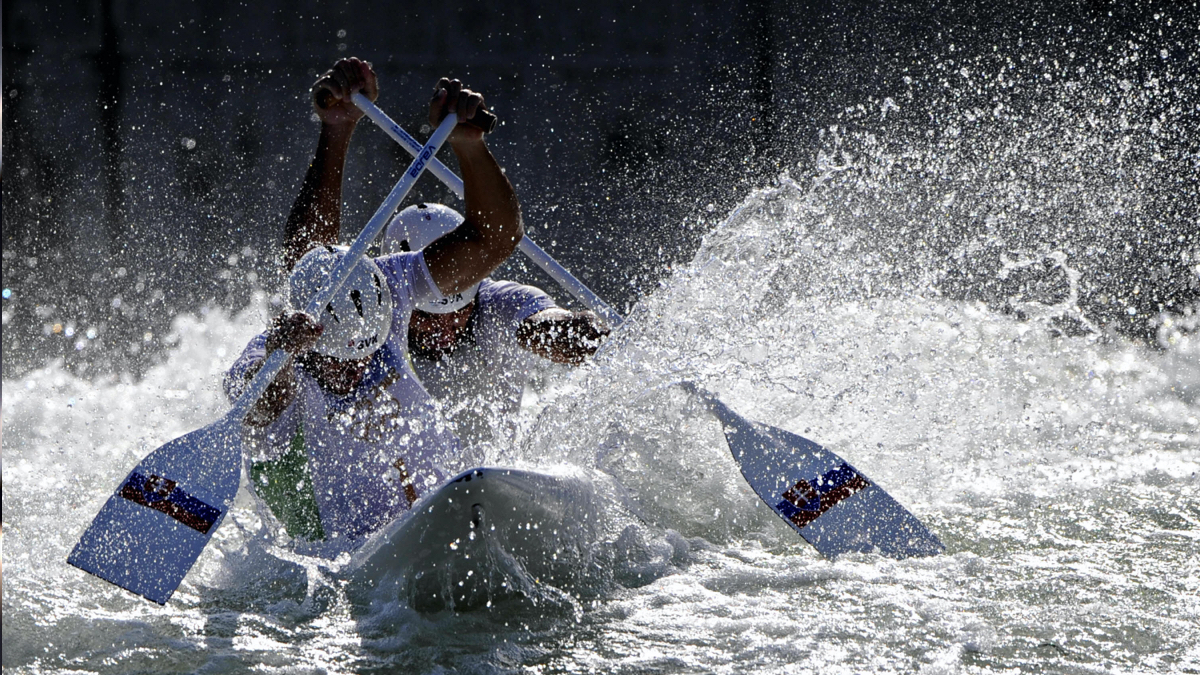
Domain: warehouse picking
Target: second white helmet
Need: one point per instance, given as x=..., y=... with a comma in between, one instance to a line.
x=359, y=317
x=418, y=226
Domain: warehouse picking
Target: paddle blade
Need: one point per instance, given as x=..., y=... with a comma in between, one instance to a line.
x=152, y=530
x=832, y=505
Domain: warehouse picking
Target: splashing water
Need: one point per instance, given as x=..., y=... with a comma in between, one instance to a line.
x=1059, y=470
x=917, y=327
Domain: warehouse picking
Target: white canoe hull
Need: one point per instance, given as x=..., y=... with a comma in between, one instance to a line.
x=489, y=532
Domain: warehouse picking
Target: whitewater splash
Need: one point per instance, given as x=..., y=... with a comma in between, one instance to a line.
x=952, y=398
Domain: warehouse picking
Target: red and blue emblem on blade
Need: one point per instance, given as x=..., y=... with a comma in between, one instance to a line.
x=803, y=502
x=165, y=495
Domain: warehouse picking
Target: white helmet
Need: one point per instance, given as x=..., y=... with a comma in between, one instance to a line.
x=358, y=318
x=418, y=226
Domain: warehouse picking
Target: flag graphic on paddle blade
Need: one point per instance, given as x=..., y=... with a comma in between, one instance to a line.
x=152, y=529
x=831, y=504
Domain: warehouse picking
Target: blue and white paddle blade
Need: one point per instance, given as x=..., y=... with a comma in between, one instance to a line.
x=832, y=505
x=151, y=531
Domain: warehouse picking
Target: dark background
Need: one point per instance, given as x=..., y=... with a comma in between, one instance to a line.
x=152, y=149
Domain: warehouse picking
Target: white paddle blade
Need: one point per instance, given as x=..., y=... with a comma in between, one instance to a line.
x=139, y=549
x=832, y=505
x=152, y=530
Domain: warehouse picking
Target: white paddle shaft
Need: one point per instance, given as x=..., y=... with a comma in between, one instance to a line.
x=531, y=250
x=277, y=359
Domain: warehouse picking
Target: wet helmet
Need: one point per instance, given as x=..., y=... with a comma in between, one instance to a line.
x=418, y=226
x=358, y=318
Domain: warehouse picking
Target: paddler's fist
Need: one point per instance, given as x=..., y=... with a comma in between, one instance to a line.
x=332, y=91
x=293, y=331
x=450, y=96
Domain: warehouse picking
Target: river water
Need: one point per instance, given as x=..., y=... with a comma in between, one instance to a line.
x=1056, y=459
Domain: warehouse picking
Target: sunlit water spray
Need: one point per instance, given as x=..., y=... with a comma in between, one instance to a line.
x=934, y=332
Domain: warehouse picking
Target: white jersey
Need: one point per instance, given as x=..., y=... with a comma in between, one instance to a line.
x=480, y=385
x=363, y=457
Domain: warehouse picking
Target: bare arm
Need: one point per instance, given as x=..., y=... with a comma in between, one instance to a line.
x=492, y=226
x=295, y=332
x=561, y=336
x=316, y=215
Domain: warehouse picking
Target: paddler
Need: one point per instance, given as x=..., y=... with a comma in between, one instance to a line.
x=346, y=438
x=473, y=350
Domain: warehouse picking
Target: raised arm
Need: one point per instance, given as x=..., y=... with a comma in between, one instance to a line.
x=492, y=226
x=316, y=215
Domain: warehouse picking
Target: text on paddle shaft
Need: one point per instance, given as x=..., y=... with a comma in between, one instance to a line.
x=419, y=165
